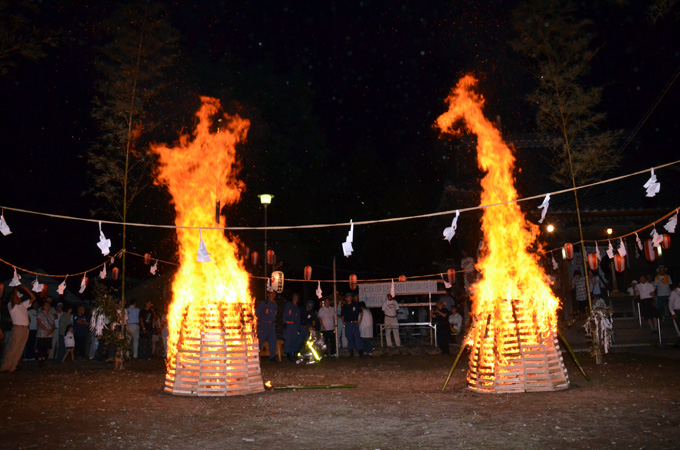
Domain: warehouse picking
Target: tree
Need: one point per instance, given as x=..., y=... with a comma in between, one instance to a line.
x=130, y=104
x=19, y=38
x=556, y=46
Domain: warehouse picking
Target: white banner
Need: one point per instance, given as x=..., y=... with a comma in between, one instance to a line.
x=374, y=294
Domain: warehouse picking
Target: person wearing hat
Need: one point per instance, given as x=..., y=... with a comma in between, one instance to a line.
x=351, y=316
x=631, y=289
x=308, y=323
x=291, y=327
x=391, y=308
x=266, y=323
x=662, y=284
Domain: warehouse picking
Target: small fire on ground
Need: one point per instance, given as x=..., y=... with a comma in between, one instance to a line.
x=212, y=346
x=513, y=342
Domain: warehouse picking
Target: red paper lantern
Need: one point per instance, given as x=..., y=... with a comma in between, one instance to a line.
x=308, y=273
x=452, y=275
x=352, y=282
x=271, y=257
x=592, y=261
x=666, y=243
x=115, y=273
x=247, y=252
x=254, y=258
x=619, y=263
x=147, y=258
x=568, y=251
x=650, y=251
x=402, y=277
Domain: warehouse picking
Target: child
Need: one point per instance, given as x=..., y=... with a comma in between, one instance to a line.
x=69, y=343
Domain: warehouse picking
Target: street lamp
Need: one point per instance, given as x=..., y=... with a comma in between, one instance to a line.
x=265, y=199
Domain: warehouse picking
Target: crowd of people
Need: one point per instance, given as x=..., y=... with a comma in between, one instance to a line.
x=42, y=331
x=353, y=321
x=656, y=296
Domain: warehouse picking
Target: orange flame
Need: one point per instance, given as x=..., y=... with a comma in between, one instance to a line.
x=199, y=171
x=513, y=296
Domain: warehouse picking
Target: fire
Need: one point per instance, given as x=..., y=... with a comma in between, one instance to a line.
x=514, y=309
x=210, y=319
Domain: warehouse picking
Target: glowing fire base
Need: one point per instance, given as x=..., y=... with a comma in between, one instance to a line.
x=216, y=364
x=532, y=363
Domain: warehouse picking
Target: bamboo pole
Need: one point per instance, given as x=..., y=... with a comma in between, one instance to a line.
x=573, y=355
x=453, y=367
x=317, y=386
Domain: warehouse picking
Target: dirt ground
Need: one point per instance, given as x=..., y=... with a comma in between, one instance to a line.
x=633, y=401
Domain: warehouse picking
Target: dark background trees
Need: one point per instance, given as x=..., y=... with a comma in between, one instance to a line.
x=341, y=98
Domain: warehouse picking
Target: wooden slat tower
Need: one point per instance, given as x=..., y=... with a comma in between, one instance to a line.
x=221, y=360
x=519, y=359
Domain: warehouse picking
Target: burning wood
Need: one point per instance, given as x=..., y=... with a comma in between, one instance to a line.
x=513, y=338
x=212, y=346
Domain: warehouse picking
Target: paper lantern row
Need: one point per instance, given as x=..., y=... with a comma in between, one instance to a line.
x=651, y=252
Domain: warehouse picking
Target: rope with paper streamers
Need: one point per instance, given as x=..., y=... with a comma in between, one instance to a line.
x=613, y=238
x=15, y=267
x=344, y=224
x=371, y=280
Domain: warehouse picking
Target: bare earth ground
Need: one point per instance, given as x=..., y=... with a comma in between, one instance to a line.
x=633, y=401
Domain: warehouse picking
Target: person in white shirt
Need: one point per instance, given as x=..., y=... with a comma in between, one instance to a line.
x=327, y=320
x=366, y=329
x=18, y=311
x=391, y=308
x=456, y=322
x=674, y=310
x=646, y=295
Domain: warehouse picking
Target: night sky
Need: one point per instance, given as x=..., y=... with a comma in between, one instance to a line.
x=342, y=97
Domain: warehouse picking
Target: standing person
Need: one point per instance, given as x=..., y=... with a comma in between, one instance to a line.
x=55, y=335
x=46, y=329
x=18, y=311
x=145, y=331
x=291, y=326
x=265, y=312
x=156, y=344
x=29, y=351
x=448, y=299
x=342, y=337
x=578, y=284
x=440, y=317
x=391, y=309
x=65, y=320
x=133, y=327
x=467, y=264
x=69, y=344
x=81, y=328
x=662, y=283
x=646, y=295
x=327, y=320
x=674, y=310
x=308, y=323
x=366, y=329
x=595, y=285
x=351, y=316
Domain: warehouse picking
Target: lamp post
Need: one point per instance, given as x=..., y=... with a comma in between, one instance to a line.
x=265, y=199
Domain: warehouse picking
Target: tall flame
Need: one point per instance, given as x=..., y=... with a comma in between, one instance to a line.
x=514, y=291
x=199, y=171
